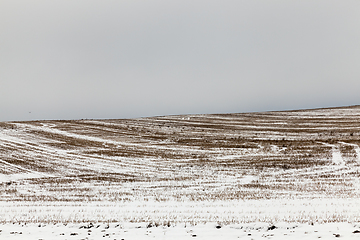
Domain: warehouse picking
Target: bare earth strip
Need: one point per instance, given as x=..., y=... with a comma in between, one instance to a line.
x=272, y=167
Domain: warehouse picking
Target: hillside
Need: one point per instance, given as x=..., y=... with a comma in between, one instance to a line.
x=193, y=159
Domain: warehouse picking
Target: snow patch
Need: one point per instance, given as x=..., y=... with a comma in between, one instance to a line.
x=337, y=159
x=248, y=179
x=20, y=176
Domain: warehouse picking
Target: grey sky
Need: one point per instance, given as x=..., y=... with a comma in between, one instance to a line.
x=67, y=59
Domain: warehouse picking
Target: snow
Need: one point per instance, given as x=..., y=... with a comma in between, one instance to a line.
x=316, y=210
x=181, y=190
x=209, y=231
x=19, y=176
x=337, y=159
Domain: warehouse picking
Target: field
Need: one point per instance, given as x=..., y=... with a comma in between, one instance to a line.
x=229, y=171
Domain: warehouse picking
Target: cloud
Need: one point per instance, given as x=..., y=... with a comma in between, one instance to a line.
x=116, y=59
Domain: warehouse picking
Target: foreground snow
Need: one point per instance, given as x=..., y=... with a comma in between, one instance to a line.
x=309, y=211
x=250, y=219
x=207, y=231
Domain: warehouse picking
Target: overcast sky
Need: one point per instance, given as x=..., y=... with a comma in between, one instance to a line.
x=74, y=59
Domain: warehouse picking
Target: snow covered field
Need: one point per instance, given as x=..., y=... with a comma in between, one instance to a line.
x=178, y=177
x=210, y=231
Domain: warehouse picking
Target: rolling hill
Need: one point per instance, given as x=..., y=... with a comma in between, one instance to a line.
x=288, y=157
